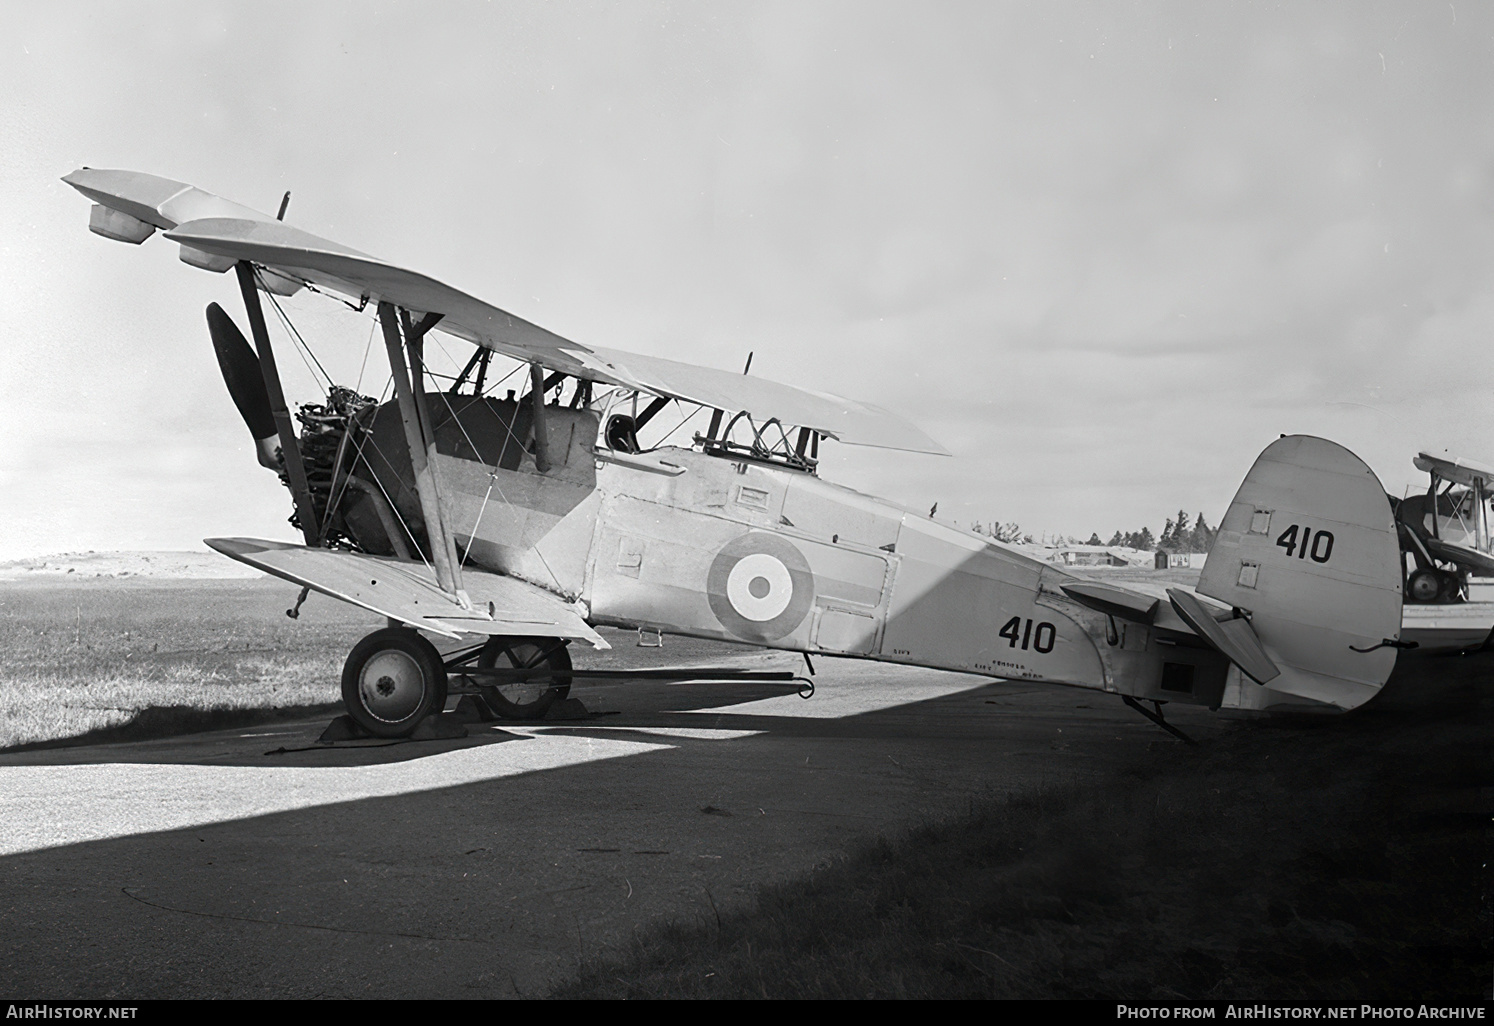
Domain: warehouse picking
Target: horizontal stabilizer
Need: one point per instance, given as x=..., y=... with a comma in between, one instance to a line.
x=1102, y=598
x=1233, y=638
x=407, y=592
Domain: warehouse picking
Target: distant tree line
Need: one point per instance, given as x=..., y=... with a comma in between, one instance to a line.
x=1177, y=536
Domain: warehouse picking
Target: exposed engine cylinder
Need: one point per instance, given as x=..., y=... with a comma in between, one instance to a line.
x=329, y=449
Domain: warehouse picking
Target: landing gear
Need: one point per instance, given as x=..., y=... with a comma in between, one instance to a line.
x=1452, y=587
x=1423, y=586
x=1426, y=586
x=530, y=697
x=392, y=680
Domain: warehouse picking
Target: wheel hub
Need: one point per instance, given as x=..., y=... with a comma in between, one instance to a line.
x=523, y=692
x=391, y=685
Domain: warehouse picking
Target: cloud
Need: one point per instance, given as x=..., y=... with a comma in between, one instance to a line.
x=1105, y=255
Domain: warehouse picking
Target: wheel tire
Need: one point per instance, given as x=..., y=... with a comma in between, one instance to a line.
x=528, y=699
x=393, y=679
x=1423, y=586
x=1452, y=588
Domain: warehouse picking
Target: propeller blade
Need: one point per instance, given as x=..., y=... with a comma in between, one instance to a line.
x=246, y=384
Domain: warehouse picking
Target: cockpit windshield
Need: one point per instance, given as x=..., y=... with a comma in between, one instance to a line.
x=630, y=424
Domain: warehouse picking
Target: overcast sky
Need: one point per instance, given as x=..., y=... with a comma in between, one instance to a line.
x=1104, y=252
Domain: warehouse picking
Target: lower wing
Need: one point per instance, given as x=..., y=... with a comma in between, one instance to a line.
x=400, y=591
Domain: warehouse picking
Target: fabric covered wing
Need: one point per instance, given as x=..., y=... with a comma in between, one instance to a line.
x=846, y=420
x=1453, y=468
x=219, y=228
x=301, y=254
x=402, y=591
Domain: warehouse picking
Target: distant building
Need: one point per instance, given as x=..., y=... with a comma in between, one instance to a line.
x=1087, y=555
x=1180, y=560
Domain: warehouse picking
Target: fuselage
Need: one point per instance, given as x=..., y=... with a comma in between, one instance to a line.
x=688, y=542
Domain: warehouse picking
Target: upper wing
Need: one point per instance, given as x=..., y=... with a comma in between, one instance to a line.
x=222, y=229
x=396, y=589
x=1454, y=468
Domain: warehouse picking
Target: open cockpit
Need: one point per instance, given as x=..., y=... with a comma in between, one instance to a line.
x=629, y=421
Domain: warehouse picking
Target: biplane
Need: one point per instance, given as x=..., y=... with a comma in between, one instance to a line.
x=1448, y=556
x=518, y=524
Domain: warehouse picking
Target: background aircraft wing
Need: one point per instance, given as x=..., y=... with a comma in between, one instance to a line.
x=1479, y=563
x=209, y=225
x=1454, y=468
x=405, y=591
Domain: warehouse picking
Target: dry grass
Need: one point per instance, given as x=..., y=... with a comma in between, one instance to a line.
x=86, y=656
x=1339, y=860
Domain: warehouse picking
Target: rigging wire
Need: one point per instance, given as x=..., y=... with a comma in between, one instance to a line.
x=335, y=501
x=660, y=443
x=493, y=472
x=373, y=325
x=368, y=439
x=355, y=307
x=498, y=384
x=293, y=332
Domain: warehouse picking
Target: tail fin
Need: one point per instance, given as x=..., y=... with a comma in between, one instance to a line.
x=1308, y=550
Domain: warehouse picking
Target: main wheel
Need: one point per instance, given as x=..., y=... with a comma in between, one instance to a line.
x=1423, y=586
x=531, y=698
x=393, y=679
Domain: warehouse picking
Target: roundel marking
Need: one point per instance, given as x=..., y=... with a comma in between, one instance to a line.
x=760, y=587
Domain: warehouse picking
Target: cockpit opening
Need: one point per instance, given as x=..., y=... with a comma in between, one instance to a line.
x=622, y=433
x=623, y=419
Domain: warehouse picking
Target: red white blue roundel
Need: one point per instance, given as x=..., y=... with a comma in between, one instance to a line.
x=760, y=587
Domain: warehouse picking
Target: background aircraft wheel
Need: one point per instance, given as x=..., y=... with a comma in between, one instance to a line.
x=1452, y=588
x=527, y=699
x=393, y=679
x=1423, y=586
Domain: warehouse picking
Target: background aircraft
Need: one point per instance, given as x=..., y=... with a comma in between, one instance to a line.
x=529, y=519
x=1447, y=556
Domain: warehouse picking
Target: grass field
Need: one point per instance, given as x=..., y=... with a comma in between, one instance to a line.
x=81, y=656
x=1342, y=860
x=167, y=656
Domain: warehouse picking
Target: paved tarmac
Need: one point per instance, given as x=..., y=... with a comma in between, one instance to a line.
x=254, y=863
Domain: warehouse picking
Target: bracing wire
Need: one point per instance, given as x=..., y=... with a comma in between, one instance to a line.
x=492, y=478
x=291, y=329
x=335, y=502
x=368, y=440
x=373, y=325
x=660, y=443
x=355, y=307
x=326, y=390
